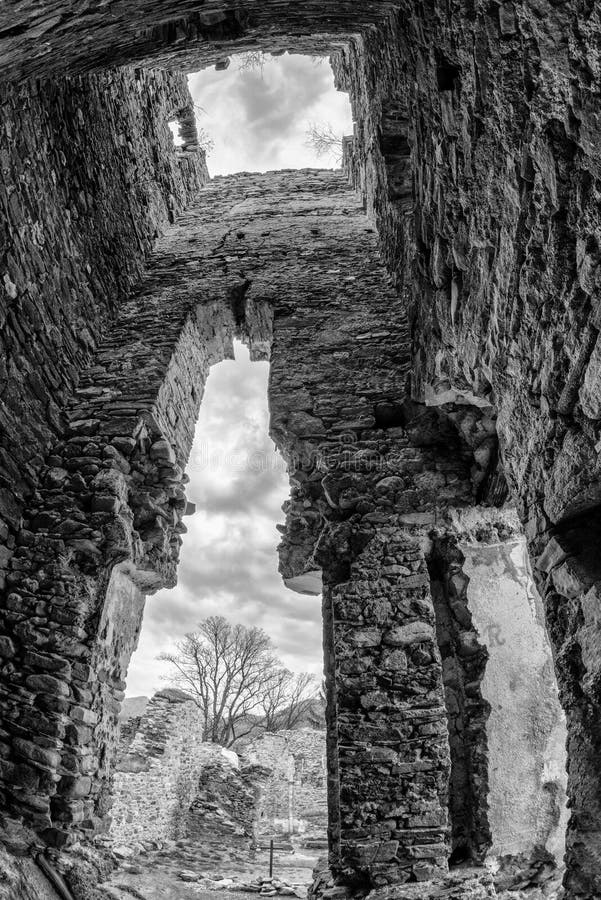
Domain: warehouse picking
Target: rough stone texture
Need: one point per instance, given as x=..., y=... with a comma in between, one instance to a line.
x=477, y=149
x=132, y=710
x=468, y=884
x=22, y=878
x=225, y=807
x=187, y=35
x=113, y=499
x=155, y=779
x=366, y=466
x=506, y=729
x=463, y=883
x=88, y=178
x=464, y=658
x=293, y=798
x=494, y=133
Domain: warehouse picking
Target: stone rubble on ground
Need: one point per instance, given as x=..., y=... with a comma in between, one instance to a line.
x=460, y=884
x=266, y=886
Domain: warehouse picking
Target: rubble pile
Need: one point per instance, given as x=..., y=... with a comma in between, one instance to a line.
x=266, y=886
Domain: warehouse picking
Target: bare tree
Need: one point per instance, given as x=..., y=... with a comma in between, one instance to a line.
x=233, y=676
x=251, y=61
x=288, y=700
x=322, y=138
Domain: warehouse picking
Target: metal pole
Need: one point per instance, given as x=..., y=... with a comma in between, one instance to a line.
x=271, y=858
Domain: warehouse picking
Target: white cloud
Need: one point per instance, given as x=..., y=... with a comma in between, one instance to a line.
x=229, y=561
x=258, y=119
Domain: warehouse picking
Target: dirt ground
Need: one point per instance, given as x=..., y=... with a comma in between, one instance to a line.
x=154, y=875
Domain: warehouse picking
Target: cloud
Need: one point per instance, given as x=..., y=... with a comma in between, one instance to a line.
x=268, y=112
x=258, y=121
x=229, y=561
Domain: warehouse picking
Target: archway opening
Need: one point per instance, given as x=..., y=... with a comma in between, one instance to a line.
x=226, y=782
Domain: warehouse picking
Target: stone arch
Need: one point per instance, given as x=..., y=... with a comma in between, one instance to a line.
x=226, y=269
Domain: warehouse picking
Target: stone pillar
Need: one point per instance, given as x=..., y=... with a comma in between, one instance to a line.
x=355, y=471
x=388, y=753
x=392, y=748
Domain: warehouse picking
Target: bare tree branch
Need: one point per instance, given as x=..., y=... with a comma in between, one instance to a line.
x=324, y=141
x=251, y=61
x=237, y=682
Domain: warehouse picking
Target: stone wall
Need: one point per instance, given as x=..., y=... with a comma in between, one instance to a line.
x=366, y=466
x=477, y=151
x=119, y=472
x=293, y=798
x=506, y=726
x=155, y=778
x=88, y=179
x=185, y=36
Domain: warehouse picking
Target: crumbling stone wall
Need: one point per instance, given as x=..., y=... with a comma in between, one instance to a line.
x=224, y=810
x=464, y=660
x=293, y=798
x=497, y=135
x=118, y=476
x=364, y=464
x=477, y=149
x=185, y=36
x=155, y=779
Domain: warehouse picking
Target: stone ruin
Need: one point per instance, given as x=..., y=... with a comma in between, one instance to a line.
x=155, y=775
x=292, y=801
x=432, y=320
x=168, y=784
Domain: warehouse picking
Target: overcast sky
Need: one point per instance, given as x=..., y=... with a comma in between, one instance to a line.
x=258, y=118
x=228, y=560
x=258, y=121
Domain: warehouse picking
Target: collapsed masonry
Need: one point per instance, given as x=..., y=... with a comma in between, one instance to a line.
x=440, y=353
x=169, y=784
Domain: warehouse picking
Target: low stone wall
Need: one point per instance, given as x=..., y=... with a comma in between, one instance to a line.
x=293, y=799
x=156, y=778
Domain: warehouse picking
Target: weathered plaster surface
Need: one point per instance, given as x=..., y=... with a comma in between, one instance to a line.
x=526, y=731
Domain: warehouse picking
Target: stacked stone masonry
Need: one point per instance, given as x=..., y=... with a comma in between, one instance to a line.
x=89, y=179
x=155, y=778
x=476, y=150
